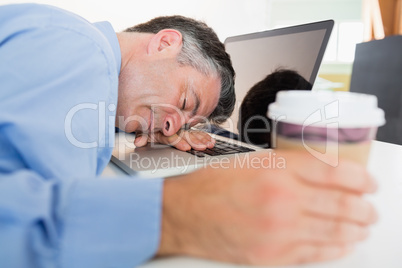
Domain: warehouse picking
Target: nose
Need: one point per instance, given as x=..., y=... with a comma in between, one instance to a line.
x=172, y=124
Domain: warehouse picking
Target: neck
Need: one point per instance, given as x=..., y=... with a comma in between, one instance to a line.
x=131, y=45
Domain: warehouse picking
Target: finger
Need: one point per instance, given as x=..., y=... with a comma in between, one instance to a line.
x=182, y=145
x=319, y=230
x=205, y=138
x=192, y=139
x=338, y=204
x=141, y=140
x=308, y=253
x=174, y=140
x=347, y=175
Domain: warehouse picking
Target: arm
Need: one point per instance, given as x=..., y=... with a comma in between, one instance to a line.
x=305, y=212
x=78, y=222
x=54, y=211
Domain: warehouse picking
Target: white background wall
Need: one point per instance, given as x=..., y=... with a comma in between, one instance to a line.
x=227, y=17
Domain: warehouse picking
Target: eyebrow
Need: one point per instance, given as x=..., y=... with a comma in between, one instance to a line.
x=197, y=99
x=197, y=102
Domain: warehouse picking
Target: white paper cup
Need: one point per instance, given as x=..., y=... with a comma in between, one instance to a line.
x=325, y=122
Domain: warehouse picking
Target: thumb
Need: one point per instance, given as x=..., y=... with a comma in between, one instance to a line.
x=141, y=140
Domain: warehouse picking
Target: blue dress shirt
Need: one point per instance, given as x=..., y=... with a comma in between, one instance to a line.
x=58, y=96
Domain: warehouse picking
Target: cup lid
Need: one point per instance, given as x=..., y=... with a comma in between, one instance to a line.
x=327, y=109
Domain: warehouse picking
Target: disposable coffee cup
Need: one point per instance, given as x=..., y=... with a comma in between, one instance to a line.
x=329, y=125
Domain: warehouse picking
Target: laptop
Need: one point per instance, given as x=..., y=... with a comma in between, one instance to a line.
x=254, y=56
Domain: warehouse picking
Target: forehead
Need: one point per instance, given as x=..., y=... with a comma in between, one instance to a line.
x=205, y=90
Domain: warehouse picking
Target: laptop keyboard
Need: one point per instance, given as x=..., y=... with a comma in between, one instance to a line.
x=221, y=148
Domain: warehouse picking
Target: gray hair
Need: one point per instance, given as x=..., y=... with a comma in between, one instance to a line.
x=203, y=51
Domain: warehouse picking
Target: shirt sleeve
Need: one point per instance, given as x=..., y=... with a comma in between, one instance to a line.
x=54, y=210
x=87, y=223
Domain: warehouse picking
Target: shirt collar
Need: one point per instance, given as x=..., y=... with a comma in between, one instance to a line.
x=108, y=31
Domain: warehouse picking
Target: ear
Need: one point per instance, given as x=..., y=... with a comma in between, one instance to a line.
x=166, y=40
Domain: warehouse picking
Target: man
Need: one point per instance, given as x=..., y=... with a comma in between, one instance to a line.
x=64, y=83
x=205, y=73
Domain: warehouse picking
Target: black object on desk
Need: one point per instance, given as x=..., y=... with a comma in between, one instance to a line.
x=377, y=70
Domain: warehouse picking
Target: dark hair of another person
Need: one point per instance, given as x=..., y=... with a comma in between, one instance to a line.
x=254, y=126
x=203, y=51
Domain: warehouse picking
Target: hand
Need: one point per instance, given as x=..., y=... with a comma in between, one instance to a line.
x=183, y=140
x=306, y=212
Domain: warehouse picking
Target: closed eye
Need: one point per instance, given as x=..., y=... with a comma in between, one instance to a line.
x=184, y=104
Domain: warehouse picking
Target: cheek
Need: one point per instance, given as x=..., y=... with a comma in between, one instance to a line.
x=161, y=111
x=136, y=122
x=167, y=104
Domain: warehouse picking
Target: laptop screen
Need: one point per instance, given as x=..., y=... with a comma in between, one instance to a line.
x=254, y=56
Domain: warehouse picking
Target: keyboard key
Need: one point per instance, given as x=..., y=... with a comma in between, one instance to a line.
x=196, y=153
x=221, y=148
x=211, y=152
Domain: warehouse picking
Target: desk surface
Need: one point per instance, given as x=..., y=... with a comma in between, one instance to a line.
x=384, y=246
